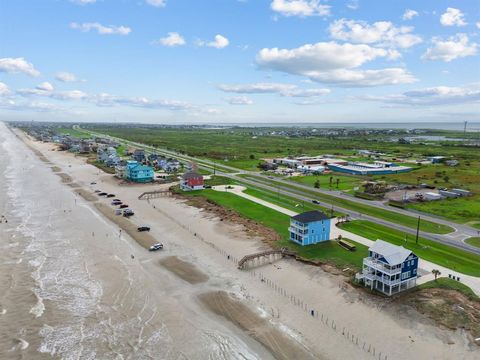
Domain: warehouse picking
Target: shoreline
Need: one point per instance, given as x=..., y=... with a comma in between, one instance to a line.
x=259, y=291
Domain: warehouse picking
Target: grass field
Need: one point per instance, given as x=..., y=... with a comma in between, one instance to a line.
x=474, y=241
x=400, y=219
x=447, y=256
x=449, y=284
x=346, y=183
x=73, y=132
x=328, y=251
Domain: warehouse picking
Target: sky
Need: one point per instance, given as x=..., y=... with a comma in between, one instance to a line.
x=240, y=61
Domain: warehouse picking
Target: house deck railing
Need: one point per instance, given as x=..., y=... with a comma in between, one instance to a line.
x=378, y=265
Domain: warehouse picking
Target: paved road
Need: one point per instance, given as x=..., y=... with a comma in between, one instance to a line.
x=454, y=239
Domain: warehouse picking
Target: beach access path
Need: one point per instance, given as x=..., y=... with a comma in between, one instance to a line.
x=425, y=266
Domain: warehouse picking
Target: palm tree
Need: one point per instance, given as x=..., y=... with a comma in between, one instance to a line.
x=436, y=273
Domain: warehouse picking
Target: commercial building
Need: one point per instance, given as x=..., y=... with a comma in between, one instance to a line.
x=377, y=168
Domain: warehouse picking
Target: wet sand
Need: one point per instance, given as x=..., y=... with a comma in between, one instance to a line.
x=184, y=270
x=233, y=310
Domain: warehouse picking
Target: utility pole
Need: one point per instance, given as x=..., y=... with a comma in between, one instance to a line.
x=418, y=230
x=465, y=129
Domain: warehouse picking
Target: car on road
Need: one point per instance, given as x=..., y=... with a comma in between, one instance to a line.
x=110, y=195
x=123, y=206
x=93, y=183
x=143, y=228
x=118, y=202
x=102, y=194
x=316, y=202
x=97, y=191
x=156, y=247
x=271, y=177
x=128, y=212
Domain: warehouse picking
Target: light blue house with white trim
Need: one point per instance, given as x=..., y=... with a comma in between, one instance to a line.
x=137, y=172
x=389, y=268
x=310, y=227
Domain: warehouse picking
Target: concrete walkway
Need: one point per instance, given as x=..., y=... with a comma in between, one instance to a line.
x=425, y=267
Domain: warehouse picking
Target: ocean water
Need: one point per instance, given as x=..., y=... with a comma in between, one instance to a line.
x=69, y=288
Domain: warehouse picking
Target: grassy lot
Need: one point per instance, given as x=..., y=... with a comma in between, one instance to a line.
x=447, y=256
x=329, y=251
x=400, y=219
x=474, y=241
x=121, y=150
x=345, y=183
x=73, y=132
x=287, y=202
x=464, y=176
x=449, y=284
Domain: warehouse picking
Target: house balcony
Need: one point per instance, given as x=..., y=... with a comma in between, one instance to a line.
x=298, y=231
x=380, y=266
x=369, y=276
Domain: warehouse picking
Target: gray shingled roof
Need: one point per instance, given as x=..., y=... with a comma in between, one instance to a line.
x=190, y=175
x=392, y=253
x=310, y=216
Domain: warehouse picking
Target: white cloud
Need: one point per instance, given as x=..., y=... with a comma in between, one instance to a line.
x=409, y=14
x=219, y=42
x=478, y=24
x=157, y=3
x=17, y=65
x=108, y=100
x=334, y=63
x=383, y=33
x=300, y=8
x=64, y=76
x=45, y=86
x=36, y=106
x=4, y=90
x=288, y=90
x=454, y=47
x=353, y=4
x=452, y=17
x=256, y=88
x=439, y=95
x=172, y=39
x=83, y=2
x=239, y=100
x=101, y=29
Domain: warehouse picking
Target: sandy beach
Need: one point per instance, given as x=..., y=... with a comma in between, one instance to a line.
x=193, y=288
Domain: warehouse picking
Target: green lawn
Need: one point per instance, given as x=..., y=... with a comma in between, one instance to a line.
x=461, y=210
x=287, y=202
x=400, y=219
x=345, y=183
x=73, y=132
x=450, y=257
x=328, y=251
x=474, y=241
x=446, y=283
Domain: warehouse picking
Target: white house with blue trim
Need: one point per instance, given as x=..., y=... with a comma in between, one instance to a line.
x=389, y=268
x=310, y=227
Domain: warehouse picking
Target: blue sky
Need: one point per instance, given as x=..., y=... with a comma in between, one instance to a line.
x=221, y=61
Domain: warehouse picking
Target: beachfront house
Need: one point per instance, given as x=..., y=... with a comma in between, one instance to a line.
x=138, y=155
x=310, y=227
x=191, y=180
x=389, y=268
x=137, y=172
